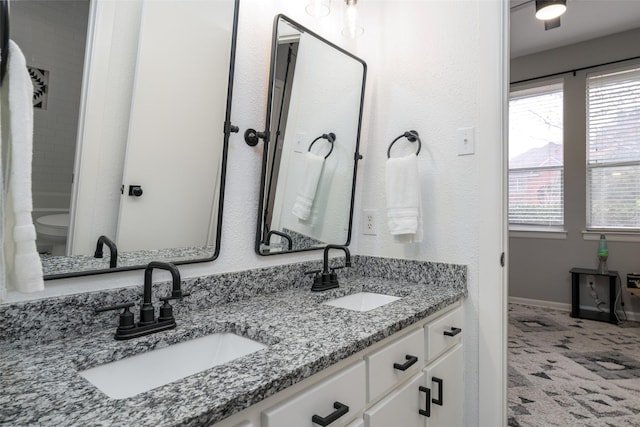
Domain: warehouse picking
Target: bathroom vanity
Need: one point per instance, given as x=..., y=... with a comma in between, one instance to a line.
x=315, y=355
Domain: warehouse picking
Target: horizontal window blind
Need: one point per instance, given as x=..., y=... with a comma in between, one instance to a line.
x=613, y=149
x=536, y=190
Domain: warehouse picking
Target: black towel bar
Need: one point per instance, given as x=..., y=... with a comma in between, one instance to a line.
x=412, y=136
x=331, y=137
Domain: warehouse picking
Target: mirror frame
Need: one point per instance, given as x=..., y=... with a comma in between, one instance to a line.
x=265, y=158
x=228, y=129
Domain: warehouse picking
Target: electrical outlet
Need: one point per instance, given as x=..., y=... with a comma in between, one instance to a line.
x=370, y=222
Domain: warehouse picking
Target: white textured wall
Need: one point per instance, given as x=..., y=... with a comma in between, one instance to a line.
x=434, y=66
x=52, y=35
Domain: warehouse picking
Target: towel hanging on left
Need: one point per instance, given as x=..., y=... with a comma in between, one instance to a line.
x=23, y=267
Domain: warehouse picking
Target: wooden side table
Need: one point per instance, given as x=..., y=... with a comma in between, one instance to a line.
x=575, y=296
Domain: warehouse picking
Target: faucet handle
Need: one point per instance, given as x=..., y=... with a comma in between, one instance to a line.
x=126, y=317
x=114, y=307
x=312, y=272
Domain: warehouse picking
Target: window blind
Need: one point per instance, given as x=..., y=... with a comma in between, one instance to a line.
x=613, y=149
x=536, y=190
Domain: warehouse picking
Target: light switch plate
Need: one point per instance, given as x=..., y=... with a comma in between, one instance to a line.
x=300, y=139
x=466, y=141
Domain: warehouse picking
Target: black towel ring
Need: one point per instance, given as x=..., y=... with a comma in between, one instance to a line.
x=412, y=136
x=331, y=137
x=4, y=43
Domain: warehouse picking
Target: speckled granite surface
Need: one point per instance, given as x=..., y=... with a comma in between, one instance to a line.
x=53, y=266
x=38, y=374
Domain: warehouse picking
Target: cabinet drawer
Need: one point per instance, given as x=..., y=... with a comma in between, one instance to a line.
x=357, y=423
x=443, y=333
x=346, y=387
x=394, y=363
x=400, y=408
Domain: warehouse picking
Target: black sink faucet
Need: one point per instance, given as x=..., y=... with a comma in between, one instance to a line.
x=281, y=234
x=147, y=313
x=113, y=250
x=329, y=279
x=148, y=324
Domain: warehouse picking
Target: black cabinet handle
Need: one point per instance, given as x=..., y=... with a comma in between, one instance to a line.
x=135, y=190
x=453, y=332
x=426, y=412
x=340, y=410
x=439, y=400
x=410, y=361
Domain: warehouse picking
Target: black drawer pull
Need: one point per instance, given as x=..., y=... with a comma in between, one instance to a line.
x=410, y=361
x=439, y=400
x=426, y=412
x=453, y=332
x=340, y=410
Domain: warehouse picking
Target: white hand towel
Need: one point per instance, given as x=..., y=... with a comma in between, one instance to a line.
x=313, y=164
x=404, y=210
x=22, y=261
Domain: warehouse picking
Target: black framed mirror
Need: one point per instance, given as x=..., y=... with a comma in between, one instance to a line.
x=314, y=115
x=139, y=124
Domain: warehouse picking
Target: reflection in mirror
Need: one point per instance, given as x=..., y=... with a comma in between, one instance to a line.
x=130, y=134
x=311, y=153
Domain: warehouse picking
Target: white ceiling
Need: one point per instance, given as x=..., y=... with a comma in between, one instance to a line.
x=583, y=20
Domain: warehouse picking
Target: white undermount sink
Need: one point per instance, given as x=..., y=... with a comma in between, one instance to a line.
x=136, y=374
x=362, y=301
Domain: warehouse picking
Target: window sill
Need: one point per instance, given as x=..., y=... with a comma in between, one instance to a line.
x=612, y=236
x=533, y=232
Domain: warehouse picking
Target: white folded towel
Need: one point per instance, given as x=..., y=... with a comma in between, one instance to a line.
x=312, y=171
x=404, y=210
x=22, y=261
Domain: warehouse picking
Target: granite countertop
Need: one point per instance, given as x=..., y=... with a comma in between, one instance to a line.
x=40, y=384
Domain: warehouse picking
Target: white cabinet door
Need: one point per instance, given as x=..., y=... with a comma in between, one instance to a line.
x=340, y=397
x=357, y=423
x=400, y=408
x=444, y=379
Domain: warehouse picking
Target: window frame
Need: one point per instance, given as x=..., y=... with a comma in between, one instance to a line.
x=538, y=230
x=624, y=233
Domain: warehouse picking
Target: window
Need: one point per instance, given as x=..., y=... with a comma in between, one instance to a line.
x=613, y=149
x=536, y=156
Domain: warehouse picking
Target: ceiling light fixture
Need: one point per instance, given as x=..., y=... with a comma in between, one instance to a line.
x=352, y=27
x=318, y=8
x=550, y=9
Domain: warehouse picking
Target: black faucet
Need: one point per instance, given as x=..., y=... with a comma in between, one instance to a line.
x=148, y=324
x=328, y=279
x=113, y=250
x=281, y=234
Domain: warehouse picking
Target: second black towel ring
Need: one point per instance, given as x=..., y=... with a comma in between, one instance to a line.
x=412, y=136
x=331, y=137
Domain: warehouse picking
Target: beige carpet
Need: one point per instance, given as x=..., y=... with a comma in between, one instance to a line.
x=571, y=372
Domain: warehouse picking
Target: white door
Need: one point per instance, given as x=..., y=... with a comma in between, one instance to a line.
x=176, y=128
x=444, y=379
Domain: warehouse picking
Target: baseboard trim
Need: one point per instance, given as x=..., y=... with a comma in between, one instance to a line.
x=560, y=306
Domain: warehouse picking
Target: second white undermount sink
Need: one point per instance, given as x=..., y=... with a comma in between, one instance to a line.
x=362, y=301
x=143, y=372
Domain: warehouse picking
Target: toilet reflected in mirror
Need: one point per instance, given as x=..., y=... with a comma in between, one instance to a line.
x=51, y=233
